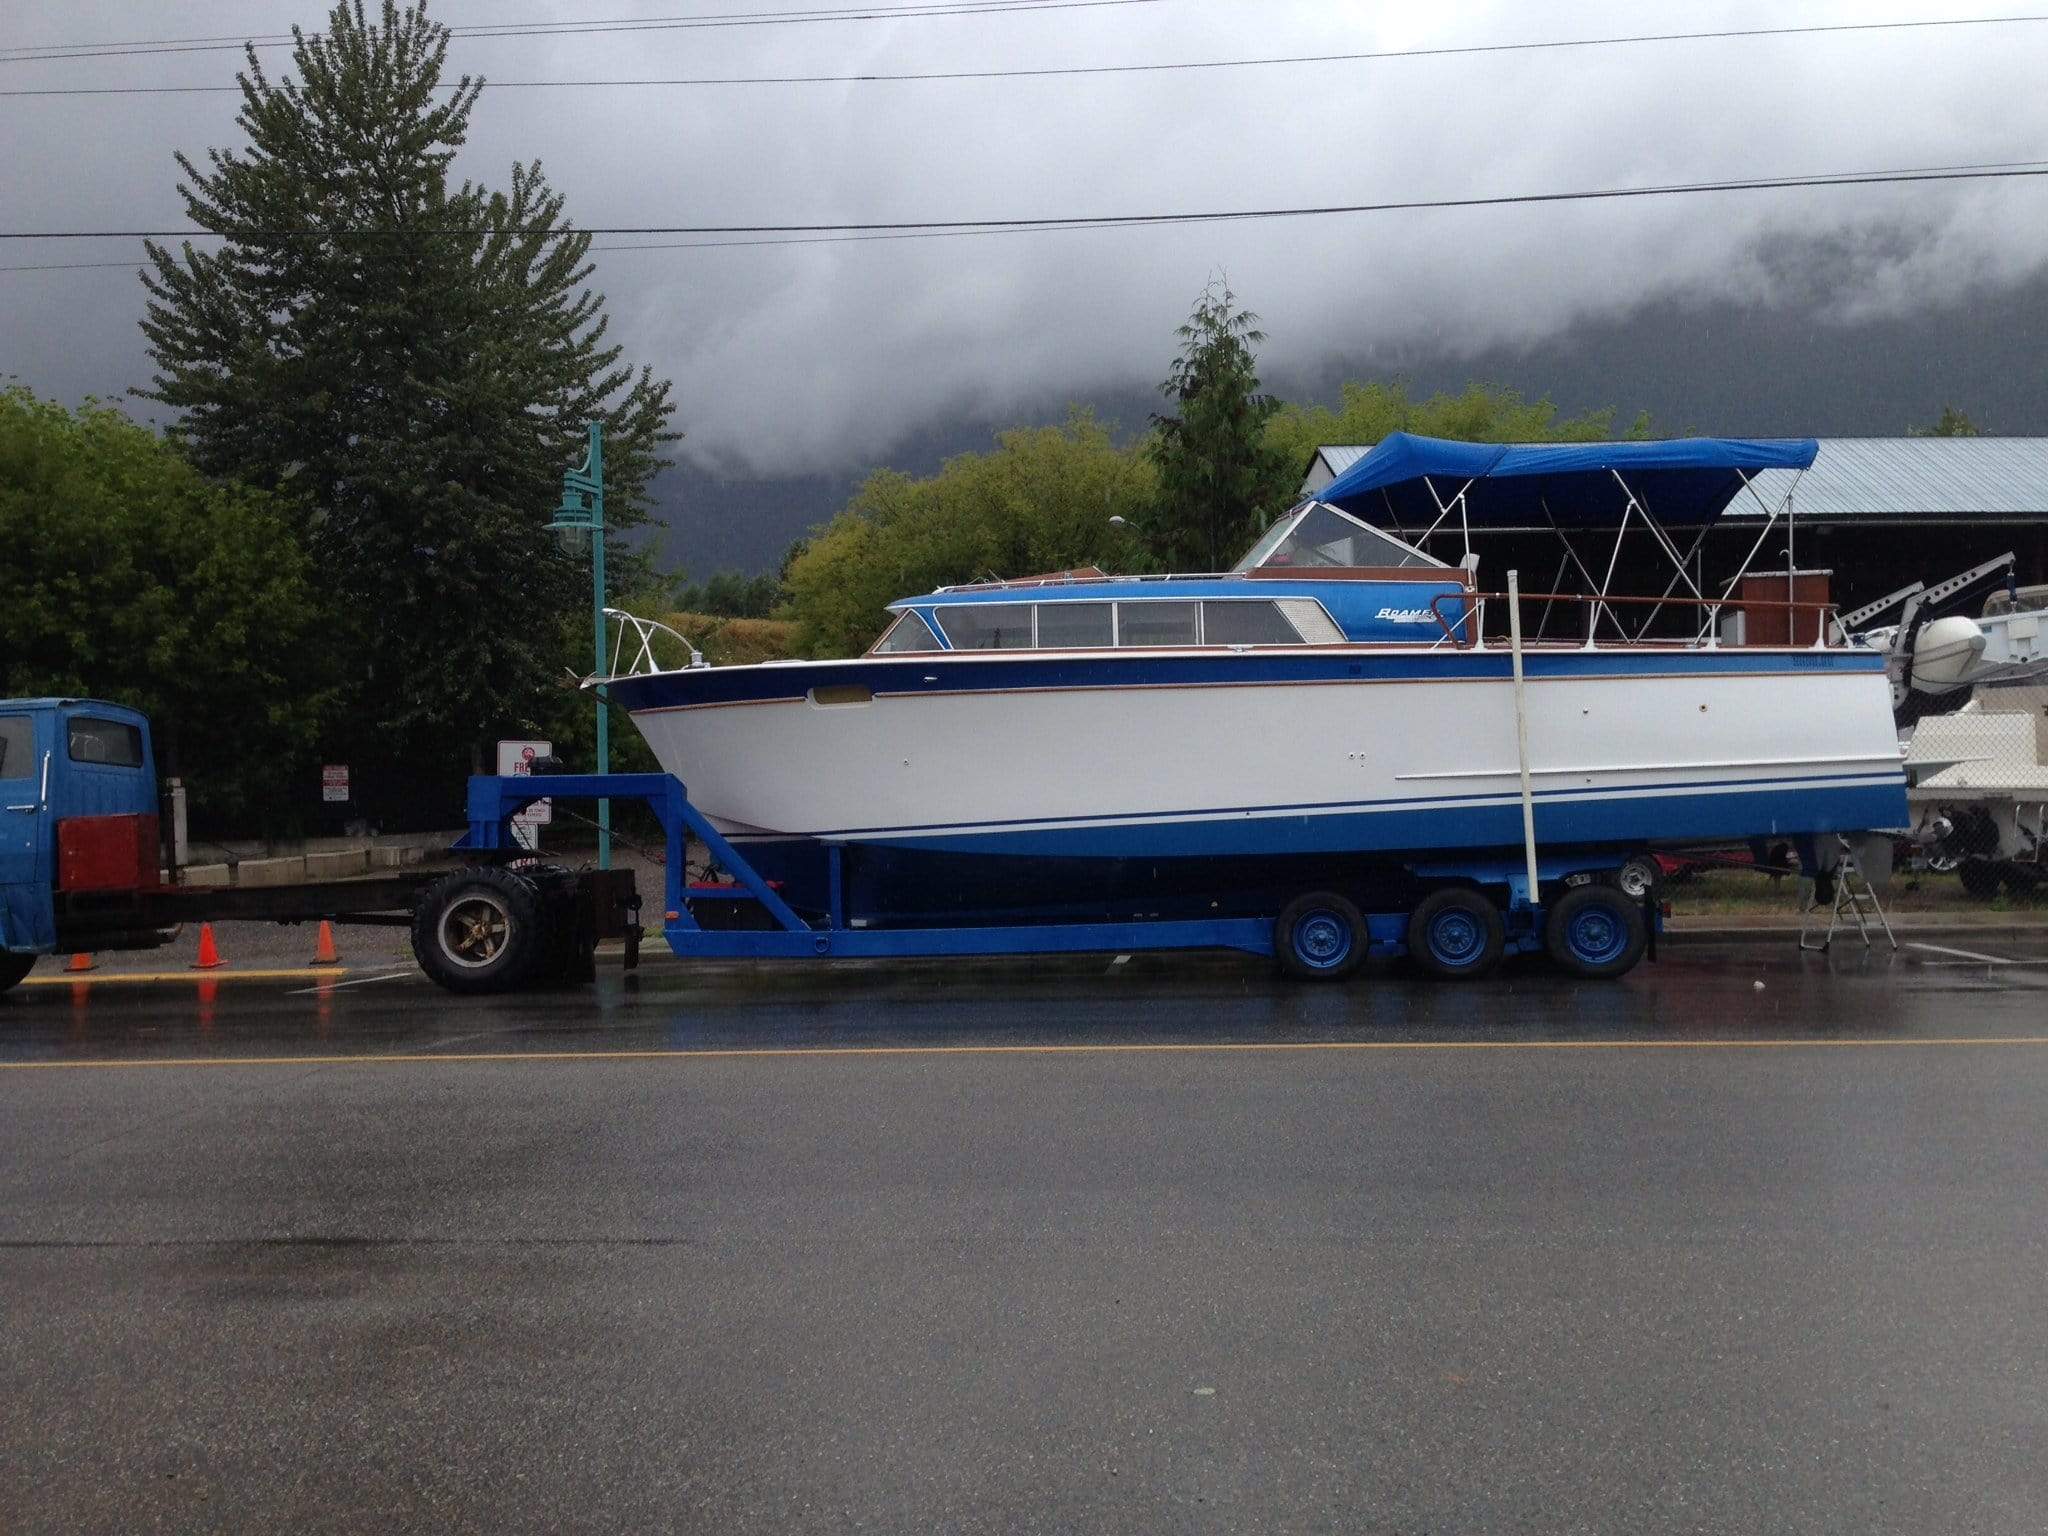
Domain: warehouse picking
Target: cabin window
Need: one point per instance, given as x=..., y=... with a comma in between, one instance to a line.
x=1159, y=623
x=112, y=743
x=1069, y=625
x=17, y=747
x=1246, y=623
x=908, y=633
x=1320, y=537
x=1311, y=621
x=988, y=626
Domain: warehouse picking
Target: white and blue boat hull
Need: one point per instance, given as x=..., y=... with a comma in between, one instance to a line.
x=1110, y=776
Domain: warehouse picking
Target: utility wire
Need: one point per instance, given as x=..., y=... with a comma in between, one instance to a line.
x=823, y=234
x=1379, y=55
x=46, y=52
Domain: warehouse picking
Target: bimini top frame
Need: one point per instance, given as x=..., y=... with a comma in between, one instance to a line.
x=1682, y=484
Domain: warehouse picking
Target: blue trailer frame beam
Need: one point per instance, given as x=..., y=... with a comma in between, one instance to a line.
x=494, y=801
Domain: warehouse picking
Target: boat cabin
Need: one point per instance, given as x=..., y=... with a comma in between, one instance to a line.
x=1319, y=577
x=1325, y=574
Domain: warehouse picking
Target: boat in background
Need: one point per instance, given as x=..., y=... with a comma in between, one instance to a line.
x=1340, y=707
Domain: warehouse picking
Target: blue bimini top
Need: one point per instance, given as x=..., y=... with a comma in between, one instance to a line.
x=1681, y=481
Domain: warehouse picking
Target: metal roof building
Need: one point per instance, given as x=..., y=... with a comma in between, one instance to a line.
x=1868, y=479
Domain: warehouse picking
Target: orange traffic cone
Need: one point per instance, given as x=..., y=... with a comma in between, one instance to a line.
x=81, y=963
x=325, y=954
x=209, y=957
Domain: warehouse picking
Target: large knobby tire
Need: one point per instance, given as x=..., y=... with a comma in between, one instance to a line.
x=13, y=968
x=479, y=930
x=1320, y=937
x=1456, y=934
x=1595, y=931
x=1980, y=877
x=569, y=955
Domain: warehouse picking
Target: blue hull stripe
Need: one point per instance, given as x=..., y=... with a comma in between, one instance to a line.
x=967, y=672
x=1632, y=821
x=1720, y=789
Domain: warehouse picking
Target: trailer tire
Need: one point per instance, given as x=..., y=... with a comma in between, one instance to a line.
x=13, y=968
x=1980, y=878
x=478, y=930
x=1456, y=934
x=1320, y=936
x=1595, y=931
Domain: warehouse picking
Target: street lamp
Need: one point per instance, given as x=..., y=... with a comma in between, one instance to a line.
x=579, y=520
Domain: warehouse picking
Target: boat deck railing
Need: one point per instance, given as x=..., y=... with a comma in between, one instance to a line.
x=1465, y=628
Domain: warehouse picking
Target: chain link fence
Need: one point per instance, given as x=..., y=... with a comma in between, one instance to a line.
x=1979, y=792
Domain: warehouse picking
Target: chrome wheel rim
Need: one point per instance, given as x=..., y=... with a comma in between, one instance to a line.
x=474, y=931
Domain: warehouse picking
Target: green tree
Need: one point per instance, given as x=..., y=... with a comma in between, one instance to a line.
x=129, y=576
x=731, y=595
x=1041, y=501
x=1481, y=413
x=1953, y=423
x=1219, y=479
x=408, y=364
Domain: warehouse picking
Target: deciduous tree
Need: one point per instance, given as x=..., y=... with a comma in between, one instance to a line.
x=130, y=576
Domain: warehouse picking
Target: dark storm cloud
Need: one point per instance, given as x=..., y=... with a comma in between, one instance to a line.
x=812, y=358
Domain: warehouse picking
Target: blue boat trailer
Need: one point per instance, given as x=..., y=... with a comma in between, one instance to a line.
x=1461, y=926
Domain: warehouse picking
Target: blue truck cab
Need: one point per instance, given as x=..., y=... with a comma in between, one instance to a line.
x=78, y=819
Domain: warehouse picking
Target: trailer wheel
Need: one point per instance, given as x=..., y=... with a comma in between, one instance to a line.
x=1456, y=934
x=479, y=930
x=1639, y=876
x=1320, y=937
x=13, y=968
x=1595, y=931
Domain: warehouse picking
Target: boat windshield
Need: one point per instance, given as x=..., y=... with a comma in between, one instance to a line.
x=1319, y=537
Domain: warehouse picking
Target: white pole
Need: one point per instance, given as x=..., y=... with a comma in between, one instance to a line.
x=1522, y=729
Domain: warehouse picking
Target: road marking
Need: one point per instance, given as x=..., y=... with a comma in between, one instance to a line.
x=1960, y=954
x=104, y=978
x=719, y=1053
x=360, y=981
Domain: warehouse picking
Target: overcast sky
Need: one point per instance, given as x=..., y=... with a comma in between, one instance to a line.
x=821, y=358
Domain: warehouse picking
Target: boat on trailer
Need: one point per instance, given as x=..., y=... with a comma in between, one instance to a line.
x=1342, y=710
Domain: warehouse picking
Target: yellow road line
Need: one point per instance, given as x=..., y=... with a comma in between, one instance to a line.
x=134, y=978
x=1220, y=1048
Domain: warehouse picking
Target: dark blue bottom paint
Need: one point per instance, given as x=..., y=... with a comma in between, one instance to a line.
x=1246, y=864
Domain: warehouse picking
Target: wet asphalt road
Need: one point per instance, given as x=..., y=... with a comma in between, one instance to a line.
x=1167, y=1246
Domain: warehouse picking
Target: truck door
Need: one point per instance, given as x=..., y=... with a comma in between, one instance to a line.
x=26, y=916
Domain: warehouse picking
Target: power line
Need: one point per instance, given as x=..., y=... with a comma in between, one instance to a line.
x=919, y=9
x=1378, y=55
x=825, y=234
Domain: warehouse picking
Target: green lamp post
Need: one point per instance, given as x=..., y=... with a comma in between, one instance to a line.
x=578, y=520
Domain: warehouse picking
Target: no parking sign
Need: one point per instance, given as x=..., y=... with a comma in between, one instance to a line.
x=514, y=759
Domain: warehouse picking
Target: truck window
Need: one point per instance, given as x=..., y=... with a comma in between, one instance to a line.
x=110, y=743
x=17, y=747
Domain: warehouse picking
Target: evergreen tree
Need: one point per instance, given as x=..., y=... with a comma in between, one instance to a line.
x=1953, y=423
x=409, y=365
x=1219, y=478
